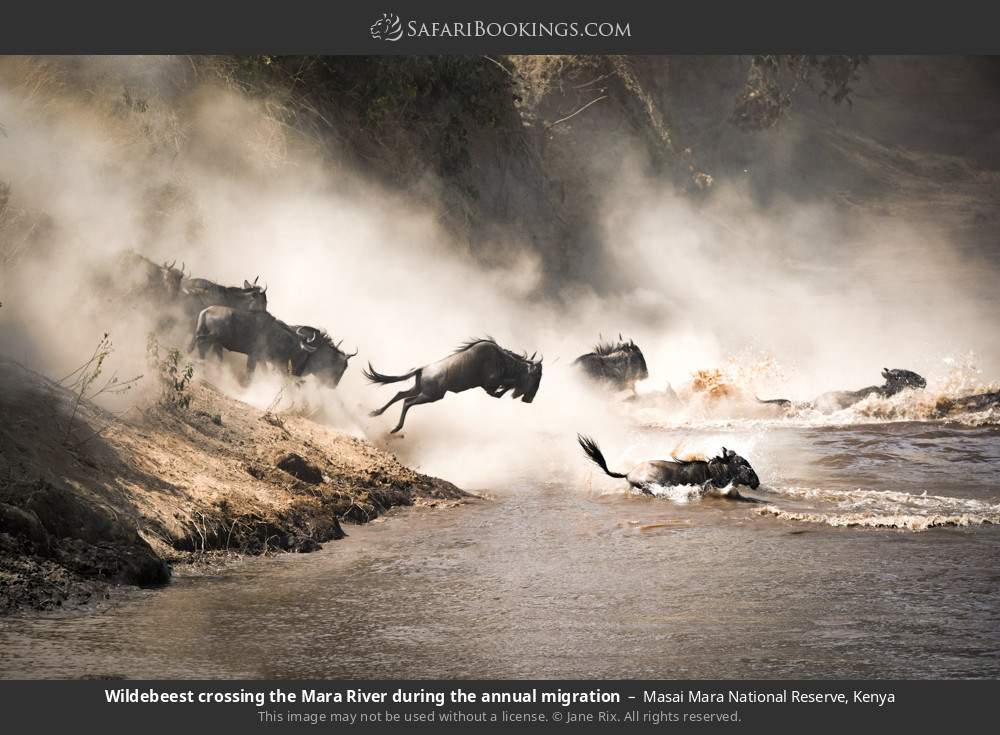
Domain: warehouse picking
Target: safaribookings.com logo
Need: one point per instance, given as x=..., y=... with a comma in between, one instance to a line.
x=387, y=28
x=390, y=28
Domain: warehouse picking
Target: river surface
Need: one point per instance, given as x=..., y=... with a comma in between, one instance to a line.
x=550, y=577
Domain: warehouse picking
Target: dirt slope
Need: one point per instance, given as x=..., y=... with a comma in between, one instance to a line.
x=104, y=499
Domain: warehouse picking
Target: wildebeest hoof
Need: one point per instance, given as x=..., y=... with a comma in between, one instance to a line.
x=374, y=413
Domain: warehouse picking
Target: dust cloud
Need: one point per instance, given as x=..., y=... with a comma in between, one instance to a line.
x=104, y=155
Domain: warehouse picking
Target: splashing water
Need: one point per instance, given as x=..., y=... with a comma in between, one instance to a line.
x=882, y=509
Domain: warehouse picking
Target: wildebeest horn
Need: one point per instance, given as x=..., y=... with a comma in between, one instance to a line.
x=532, y=358
x=183, y=264
x=255, y=279
x=306, y=346
x=352, y=354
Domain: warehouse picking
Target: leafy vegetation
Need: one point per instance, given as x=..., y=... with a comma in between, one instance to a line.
x=174, y=378
x=86, y=384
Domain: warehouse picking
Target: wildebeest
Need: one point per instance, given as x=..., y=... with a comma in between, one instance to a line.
x=150, y=280
x=620, y=365
x=200, y=293
x=978, y=402
x=300, y=350
x=728, y=468
x=478, y=363
x=896, y=380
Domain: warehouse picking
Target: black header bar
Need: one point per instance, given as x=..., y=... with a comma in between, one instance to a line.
x=514, y=26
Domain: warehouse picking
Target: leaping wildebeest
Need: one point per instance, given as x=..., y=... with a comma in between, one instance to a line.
x=478, y=363
x=300, y=350
x=620, y=365
x=712, y=475
x=896, y=380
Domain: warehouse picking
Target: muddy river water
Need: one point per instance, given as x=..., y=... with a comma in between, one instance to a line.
x=551, y=578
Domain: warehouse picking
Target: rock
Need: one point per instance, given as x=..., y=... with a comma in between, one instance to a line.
x=300, y=468
x=84, y=537
x=303, y=545
x=23, y=524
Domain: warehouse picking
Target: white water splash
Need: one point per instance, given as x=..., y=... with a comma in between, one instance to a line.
x=884, y=509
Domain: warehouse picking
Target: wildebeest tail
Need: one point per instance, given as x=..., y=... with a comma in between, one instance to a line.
x=198, y=329
x=593, y=451
x=377, y=377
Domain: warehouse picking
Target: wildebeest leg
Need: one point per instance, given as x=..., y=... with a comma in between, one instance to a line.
x=411, y=393
x=408, y=404
x=251, y=366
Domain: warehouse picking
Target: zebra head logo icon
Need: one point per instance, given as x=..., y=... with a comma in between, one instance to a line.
x=387, y=28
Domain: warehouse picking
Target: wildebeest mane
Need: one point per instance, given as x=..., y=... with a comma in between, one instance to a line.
x=470, y=343
x=679, y=460
x=603, y=349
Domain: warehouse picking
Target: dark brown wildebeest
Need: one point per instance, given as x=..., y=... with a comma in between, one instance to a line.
x=620, y=365
x=261, y=337
x=729, y=468
x=896, y=380
x=200, y=293
x=478, y=363
x=978, y=402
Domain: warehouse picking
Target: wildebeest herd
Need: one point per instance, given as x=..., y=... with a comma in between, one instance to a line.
x=236, y=319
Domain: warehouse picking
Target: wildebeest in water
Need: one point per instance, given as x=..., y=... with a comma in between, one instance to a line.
x=620, y=365
x=299, y=350
x=896, y=380
x=478, y=363
x=711, y=475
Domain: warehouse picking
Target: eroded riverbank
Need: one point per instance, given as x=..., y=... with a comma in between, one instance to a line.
x=90, y=499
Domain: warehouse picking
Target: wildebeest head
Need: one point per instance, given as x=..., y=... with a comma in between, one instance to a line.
x=897, y=380
x=738, y=469
x=637, y=360
x=172, y=278
x=530, y=379
x=255, y=296
x=325, y=359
